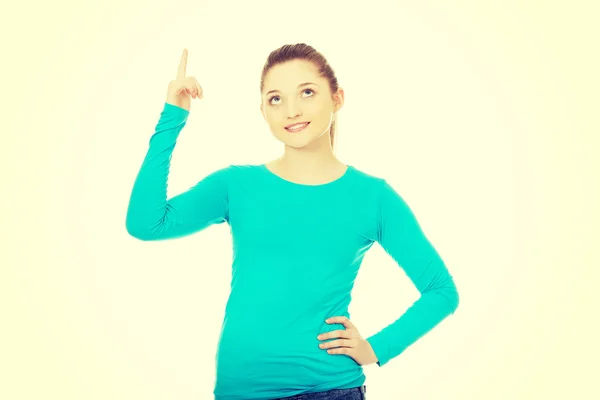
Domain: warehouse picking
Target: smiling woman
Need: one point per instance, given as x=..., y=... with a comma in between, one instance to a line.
x=291, y=72
x=301, y=226
x=300, y=101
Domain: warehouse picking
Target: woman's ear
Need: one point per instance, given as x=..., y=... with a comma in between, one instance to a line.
x=338, y=99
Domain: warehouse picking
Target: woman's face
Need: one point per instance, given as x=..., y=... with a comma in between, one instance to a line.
x=294, y=92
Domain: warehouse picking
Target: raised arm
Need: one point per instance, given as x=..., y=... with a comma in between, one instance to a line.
x=400, y=235
x=150, y=215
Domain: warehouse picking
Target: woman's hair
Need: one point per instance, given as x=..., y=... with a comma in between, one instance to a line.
x=302, y=51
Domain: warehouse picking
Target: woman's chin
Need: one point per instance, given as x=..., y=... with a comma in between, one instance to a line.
x=293, y=140
x=300, y=140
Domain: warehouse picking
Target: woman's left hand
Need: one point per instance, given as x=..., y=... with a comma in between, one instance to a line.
x=349, y=342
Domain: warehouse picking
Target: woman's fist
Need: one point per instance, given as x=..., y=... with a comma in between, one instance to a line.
x=183, y=88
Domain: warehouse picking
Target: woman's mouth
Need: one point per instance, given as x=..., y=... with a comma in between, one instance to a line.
x=296, y=127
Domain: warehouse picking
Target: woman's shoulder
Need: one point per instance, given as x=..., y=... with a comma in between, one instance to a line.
x=366, y=179
x=367, y=175
x=373, y=181
x=233, y=172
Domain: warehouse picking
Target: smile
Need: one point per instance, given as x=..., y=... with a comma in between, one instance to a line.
x=297, y=128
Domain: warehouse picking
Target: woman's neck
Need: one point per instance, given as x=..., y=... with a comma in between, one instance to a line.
x=307, y=171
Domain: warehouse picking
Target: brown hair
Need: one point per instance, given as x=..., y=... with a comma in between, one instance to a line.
x=302, y=51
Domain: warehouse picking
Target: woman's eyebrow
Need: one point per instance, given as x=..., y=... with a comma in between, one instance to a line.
x=300, y=85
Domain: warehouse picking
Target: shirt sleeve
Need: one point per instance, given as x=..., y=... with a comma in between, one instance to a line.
x=150, y=215
x=401, y=236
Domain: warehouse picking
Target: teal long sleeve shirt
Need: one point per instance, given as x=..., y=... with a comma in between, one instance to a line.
x=297, y=250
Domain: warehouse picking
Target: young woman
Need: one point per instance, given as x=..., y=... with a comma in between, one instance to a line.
x=301, y=225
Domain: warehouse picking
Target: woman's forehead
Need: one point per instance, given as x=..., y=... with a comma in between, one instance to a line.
x=290, y=75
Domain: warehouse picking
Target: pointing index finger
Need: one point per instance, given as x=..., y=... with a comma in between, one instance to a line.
x=182, y=65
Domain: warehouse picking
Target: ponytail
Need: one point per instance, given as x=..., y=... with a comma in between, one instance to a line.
x=333, y=131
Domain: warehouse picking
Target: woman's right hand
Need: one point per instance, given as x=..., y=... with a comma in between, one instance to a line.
x=183, y=88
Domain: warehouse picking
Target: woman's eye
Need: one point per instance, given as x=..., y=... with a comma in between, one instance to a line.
x=276, y=97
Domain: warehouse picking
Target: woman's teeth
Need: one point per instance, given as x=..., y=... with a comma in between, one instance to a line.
x=297, y=127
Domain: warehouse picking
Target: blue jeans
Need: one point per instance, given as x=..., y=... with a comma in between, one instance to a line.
x=357, y=393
